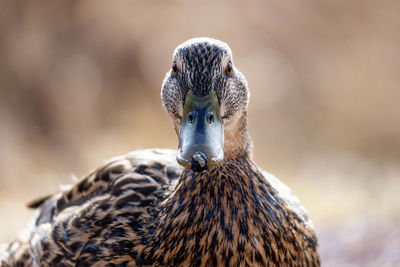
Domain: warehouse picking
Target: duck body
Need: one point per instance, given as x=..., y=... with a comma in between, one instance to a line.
x=144, y=209
x=233, y=216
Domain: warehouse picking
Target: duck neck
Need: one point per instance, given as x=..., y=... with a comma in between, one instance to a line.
x=210, y=187
x=220, y=211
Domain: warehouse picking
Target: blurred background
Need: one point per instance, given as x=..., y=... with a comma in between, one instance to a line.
x=80, y=82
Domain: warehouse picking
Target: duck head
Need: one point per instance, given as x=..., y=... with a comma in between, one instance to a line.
x=206, y=97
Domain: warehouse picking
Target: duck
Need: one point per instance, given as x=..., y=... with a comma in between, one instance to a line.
x=206, y=204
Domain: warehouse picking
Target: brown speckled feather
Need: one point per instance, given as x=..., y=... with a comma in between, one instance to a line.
x=114, y=204
x=128, y=212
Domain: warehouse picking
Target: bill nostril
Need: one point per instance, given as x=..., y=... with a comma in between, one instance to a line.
x=191, y=117
x=210, y=117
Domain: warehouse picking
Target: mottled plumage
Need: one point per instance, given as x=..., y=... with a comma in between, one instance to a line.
x=143, y=209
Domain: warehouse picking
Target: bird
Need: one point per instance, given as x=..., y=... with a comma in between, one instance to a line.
x=205, y=204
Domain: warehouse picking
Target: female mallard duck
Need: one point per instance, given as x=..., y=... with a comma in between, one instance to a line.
x=143, y=209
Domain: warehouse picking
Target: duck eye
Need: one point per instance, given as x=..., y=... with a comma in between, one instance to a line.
x=228, y=69
x=174, y=68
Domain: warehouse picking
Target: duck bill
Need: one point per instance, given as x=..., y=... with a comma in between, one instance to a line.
x=201, y=138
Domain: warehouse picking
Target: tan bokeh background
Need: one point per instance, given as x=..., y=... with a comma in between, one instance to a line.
x=80, y=83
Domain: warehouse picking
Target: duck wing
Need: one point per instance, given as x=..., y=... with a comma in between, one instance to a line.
x=289, y=198
x=103, y=215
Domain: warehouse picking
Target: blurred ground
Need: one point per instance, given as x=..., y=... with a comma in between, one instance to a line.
x=80, y=82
